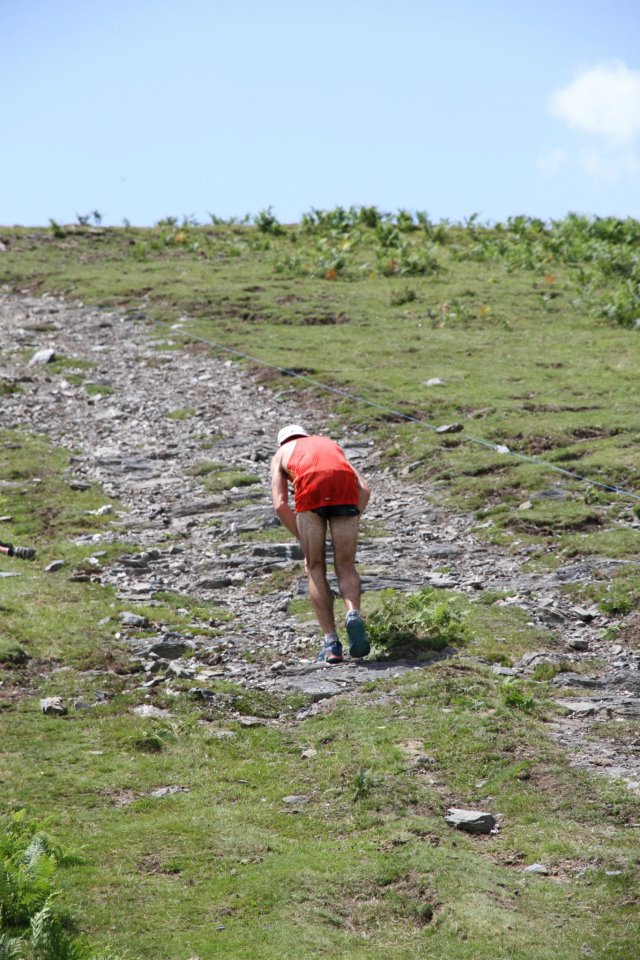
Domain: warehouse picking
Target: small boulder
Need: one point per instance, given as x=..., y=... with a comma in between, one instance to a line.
x=42, y=357
x=169, y=649
x=53, y=707
x=473, y=821
x=128, y=619
x=147, y=710
x=450, y=428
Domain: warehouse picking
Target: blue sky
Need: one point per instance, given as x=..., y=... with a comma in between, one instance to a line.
x=147, y=108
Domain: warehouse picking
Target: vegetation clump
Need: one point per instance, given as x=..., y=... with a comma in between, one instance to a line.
x=32, y=925
x=415, y=625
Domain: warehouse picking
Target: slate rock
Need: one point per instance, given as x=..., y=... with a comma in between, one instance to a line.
x=147, y=710
x=53, y=707
x=54, y=565
x=450, y=428
x=201, y=693
x=192, y=509
x=169, y=649
x=279, y=551
x=128, y=619
x=473, y=821
x=214, y=583
x=538, y=868
x=296, y=798
x=586, y=616
x=443, y=550
x=583, y=708
x=550, y=616
x=316, y=689
x=42, y=357
x=179, y=670
x=551, y=493
x=567, y=679
x=579, y=644
x=160, y=792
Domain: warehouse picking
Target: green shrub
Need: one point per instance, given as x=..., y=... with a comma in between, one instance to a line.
x=411, y=626
x=266, y=222
x=516, y=699
x=624, y=308
x=617, y=604
x=28, y=862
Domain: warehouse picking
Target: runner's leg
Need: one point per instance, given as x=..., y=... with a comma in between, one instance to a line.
x=344, y=536
x=313, y=531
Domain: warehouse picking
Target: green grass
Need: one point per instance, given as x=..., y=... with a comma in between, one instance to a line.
x=526, y=326
x=367, y=867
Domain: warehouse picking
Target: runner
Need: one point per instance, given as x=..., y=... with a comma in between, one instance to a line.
x=328, y=491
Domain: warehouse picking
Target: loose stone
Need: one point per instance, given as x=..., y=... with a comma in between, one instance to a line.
x=473, y=821
x=53, y=707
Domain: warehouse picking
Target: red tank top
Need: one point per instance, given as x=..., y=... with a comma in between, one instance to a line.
x=321, y=475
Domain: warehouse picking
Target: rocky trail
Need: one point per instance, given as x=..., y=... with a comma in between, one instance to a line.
x=213, y=546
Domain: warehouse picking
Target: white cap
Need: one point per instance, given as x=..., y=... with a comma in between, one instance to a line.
x=291, y=431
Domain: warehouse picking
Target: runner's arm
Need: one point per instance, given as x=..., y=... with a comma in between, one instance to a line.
x=364, y=492
x=280, y=496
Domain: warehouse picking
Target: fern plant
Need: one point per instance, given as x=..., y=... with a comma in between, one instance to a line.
x=412, y=626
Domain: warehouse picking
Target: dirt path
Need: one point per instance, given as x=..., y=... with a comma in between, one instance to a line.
x=208, y=545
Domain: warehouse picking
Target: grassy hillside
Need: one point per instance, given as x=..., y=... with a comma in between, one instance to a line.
x=532, y=331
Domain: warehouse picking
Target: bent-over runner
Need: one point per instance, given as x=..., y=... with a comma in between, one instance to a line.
x=328, y=492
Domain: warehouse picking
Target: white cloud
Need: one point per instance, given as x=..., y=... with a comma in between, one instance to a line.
x=604, y=100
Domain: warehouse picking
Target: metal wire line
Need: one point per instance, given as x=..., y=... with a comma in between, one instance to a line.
x=497, y=447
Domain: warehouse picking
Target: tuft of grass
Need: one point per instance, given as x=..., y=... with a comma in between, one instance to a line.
x=516, y=698
x=12, y=652
x=182, y=413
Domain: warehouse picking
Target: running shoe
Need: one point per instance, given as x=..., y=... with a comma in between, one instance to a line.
x=331, y=652
x=358, y=643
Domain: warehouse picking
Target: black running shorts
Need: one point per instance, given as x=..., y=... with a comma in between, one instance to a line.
x=338, y=510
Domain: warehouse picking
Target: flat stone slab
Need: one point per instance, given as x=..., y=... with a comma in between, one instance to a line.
x=473, y=821
x=584, y=708
x=160, y=792
x=316, y=689
x=128, y=619
x=147, y=710
x=170, y=649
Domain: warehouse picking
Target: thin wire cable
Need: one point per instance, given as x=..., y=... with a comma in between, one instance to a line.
x=497, y=447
